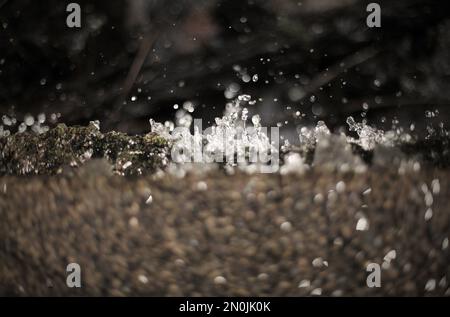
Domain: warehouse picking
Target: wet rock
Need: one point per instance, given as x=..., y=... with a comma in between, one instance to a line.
x=61, y=147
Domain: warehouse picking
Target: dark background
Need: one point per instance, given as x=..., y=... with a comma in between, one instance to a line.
x=313, y=56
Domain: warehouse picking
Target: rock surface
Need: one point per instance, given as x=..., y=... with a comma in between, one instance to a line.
x=49, y=153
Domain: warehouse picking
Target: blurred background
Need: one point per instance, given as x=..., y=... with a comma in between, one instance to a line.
x=300, y=60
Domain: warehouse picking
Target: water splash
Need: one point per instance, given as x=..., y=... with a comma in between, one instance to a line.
x=369, y=137
x=9, y=124
x=234, y=135
x=232, y=139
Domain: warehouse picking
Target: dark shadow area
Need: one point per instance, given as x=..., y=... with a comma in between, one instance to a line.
x=317, y=57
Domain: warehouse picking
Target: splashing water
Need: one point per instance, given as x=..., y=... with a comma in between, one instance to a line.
x=232, y=138
x=369, y=137
x=238, y=138
x=234, y=135
x=9, y=124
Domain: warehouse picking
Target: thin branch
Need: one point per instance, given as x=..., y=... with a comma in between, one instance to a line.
x=334, y=71
x=136, y=66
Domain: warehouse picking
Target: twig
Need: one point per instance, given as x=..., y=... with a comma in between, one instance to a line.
x=136, y=67
x=334, y=71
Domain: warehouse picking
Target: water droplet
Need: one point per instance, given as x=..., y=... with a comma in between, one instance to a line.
x=431, y=285
x=256, y=119
x=29, y=120
x=188, y=106
x=318, y=198
x=41, y=118
x=304, y=284
x=133, y=222
x=220, y=280
x=340, y=187
x=126, y=165
x=6, y=120
x=319, y=262
x=149, y=200
x=202, y=186
x=428, y=198
x=96, y=124
x=428, y=214
x=362, y=224
x=286, y=226
x=143, y=279
x=367, y=191
x=244, y=115
x=316, y=292
x=445, y=244
x=244, y=97
x=435, y=186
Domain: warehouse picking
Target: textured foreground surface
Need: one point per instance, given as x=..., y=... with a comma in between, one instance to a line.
x=217, y=234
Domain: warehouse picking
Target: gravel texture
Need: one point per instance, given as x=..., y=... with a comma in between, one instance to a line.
x=231, y=235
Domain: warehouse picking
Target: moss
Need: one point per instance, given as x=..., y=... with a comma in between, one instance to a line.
x=48, y=153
